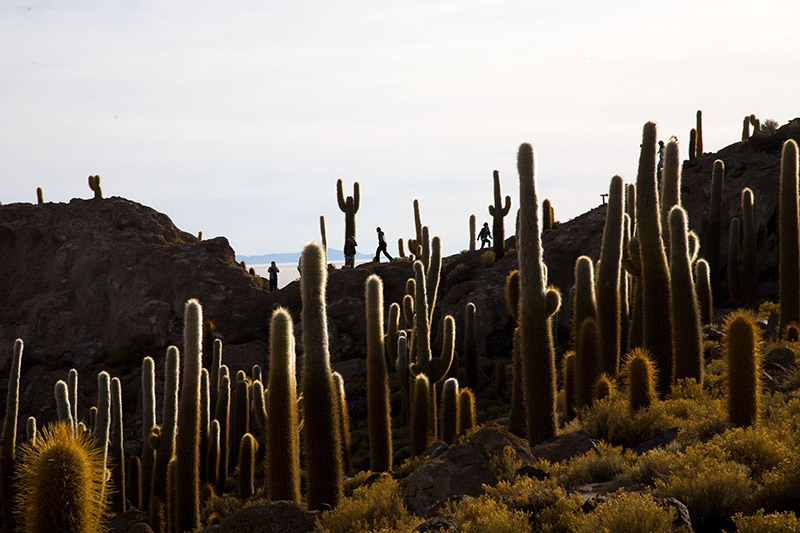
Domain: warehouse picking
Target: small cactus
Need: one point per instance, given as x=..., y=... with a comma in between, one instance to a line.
x=450, y=410
x=349, y=206
x=466, y=410
x=641, y=372
x=471, y=346
x=743, y=355
x=117, y=450
x=419, y=416
x=247, y=464
x=94, y=185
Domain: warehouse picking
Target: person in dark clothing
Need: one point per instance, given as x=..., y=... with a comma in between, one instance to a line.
x=381, y=247
x=484, y=235
x=350, y=252
x=273, y=276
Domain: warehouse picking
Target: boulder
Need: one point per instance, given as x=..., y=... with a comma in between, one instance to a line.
x=273, y=517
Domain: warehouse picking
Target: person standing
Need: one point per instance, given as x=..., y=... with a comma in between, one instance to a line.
x=381, y=247
x=350, y=252
x=484, y=235
x=273, y=276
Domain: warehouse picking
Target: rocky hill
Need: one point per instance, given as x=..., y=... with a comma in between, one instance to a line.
x=99, y=284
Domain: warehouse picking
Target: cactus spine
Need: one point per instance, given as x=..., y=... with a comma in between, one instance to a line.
x=117, y=452
x=61, y=480
x=450, y=410
x=713, y=230
x=688, y=345
x=320, y=427
x=378, y=410
x=749, y=272
x=657, y=315
x=349, y=207
x=472, y=237
x=609, y=274
x=187, y=445
x=498, y=211
x=744, y=366
x=641, y=380
x=537, y=305
x=247, y=464
x=789, y=222
x=471, y=346
x=165, y=441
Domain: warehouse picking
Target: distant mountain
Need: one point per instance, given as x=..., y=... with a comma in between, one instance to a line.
x=292, y=257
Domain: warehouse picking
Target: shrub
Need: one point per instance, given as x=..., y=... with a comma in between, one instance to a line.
x=756, y=448
x=630, y=512
x=780, y=487
x=485, y=515
x=603, y=464
x=505, y=463
x=647, y=468
x=487, y=258
x=377, y=506
x=774, y=523
x=547, y=504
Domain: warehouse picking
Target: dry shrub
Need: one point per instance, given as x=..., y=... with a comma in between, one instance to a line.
x=505, y=463
x=760, y=522
x=485, y=515
x=378, y=506
x=603, y=464
x=647, y=468
x=758, y=449
x=547, y=504
x=488, y=258
x=630, y=512
x=780, y=487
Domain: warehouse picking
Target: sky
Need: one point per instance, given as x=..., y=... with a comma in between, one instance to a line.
x=236, y=118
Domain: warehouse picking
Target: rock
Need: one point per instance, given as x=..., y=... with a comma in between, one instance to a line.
x=659, y=441
x=784, y=357
x=532, y=472
x=683, y=521
x=351, y=369
x=564, y=447
x=461, y=470
x=437, y=524
x=127, y=521
x=273, y=517
x=491, y=440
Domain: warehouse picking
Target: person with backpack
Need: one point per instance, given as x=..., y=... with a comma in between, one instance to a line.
x=381, y=247
x=485, y=235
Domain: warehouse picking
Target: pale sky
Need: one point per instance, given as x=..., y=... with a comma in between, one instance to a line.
x=236, y=118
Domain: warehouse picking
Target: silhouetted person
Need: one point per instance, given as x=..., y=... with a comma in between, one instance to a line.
x=485, y=235
x=381, y=247
x=350, y=252
x=273, y=276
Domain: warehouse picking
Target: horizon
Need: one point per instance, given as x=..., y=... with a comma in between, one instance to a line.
x=237, y=120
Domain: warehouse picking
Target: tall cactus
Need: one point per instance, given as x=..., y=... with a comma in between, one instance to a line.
x=344, y=420
x=213, y=454
x=699, y=141
x=103, y=415
x=9, y=437
x=517, y=420
x=584, y=303
x=323, y=234
x=734, y=274
x=94, y=185
x=537, y=305
x=749, y=272
x=547, y=215
x=471, y=346
x=742, y=340
x=378, y=411
x=166, y=441
x=117, y=450
x=420, y=420
x=148, y=422
x=72, y=388
x=670, y=186
x=349, y=206
x=688, y=344
x=712, y=236
x=609, y=280
x=240, y=417
x=216, y=363
x=187, y=445
x=570, y=383
x=789, y=233
x=498, y=211
x=63, y=406
x=704, y=294
x=450, y=410
x=223, y=417
x=588, y=360
x=657, y=317
x=320, y=427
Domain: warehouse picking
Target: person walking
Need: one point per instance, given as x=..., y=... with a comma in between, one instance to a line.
x=484, y=235
x=381, y=247
x=273, y=276
x=350, y=252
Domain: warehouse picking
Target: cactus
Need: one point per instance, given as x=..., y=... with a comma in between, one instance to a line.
x=72, y=388
x=699, y=141
x=472, y=237
x=547, y=212
x=471, y=346
x=516, y=417
x=117, y=450
x=61, y=482
x=588, y=361
x=223, y=417
x=378, y=410
x=392, y=331
x=688, y=345
x=349, y=207
x=583, y=296
x=94, y=185
x=216, y=363
x=570, y=384
x=734, y=275
x=603, y=387
x=344, y=419
x=187, y=445
x=433, y=274
x=133, y=479
x=537, y=305
x=655, y=279
x=609, y=280
x=9, y=437
x=746, y=129
x=166, y=441
x=103, y=415
x=641, y=372
x=789, y=222
x=625, y=291
x=403, y=375
x=30, y=431
x=213, y=454
x=670, y=186
x=205, y=416
x=172, y=496
x=240, y=417
x=401, y=252
x=39, y=196
x=749, y=272
x=498, y=211
x=711, y=238
x=466, y=410
x=704, y=295
x=260, y=407
x=693, y=145
x=450, y=410
x=742, y=350
x=247, y=466
x=323, y=235
x=420, y=423
x=320, y=426
x=63, y=406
